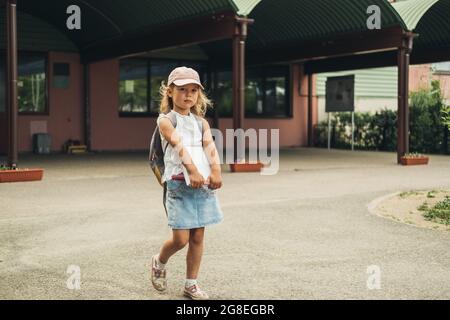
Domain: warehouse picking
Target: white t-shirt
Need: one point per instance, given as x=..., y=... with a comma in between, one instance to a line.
x=191, y=137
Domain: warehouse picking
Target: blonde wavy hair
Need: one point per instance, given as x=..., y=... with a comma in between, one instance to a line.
x=199, y=109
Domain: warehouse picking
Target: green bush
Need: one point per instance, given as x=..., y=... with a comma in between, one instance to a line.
x=383, y=127
x=429, y=126
x=446, y=116
x=371, y=132
x=426, y=126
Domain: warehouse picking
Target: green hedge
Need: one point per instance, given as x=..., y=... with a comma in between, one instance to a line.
x=428, y=126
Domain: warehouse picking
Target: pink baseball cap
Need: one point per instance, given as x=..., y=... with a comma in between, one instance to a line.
x=183, y=75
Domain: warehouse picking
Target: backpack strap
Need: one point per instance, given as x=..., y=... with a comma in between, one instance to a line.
x=200, y=125
x=173, y=119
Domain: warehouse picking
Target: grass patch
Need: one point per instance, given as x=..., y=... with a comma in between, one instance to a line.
x=440, y=213
x=408, y=193
x=423, y=207
x=432, y=194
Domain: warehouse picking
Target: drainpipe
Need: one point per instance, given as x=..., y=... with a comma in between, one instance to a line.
x=11, y=80
x=87, y=107
x=310, y=110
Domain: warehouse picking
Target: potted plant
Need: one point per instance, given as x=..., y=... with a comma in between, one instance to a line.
x=413, y=158
x=14, y=174
x=246, y=167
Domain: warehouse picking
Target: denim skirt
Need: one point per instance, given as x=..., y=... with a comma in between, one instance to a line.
x=189, y=208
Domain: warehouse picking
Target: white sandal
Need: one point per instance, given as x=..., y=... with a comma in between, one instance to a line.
x=195, y=293
x=159, y=280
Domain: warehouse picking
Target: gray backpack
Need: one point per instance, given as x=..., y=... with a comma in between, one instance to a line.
x=157, y=150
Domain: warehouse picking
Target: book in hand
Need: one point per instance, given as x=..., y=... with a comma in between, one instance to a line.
x=200, y=160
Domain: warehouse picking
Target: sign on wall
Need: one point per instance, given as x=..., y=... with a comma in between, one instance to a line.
x=340, y=94
x=61, y=75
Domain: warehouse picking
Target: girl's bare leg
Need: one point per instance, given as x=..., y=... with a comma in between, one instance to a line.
x=195, y=252
x=180, y=239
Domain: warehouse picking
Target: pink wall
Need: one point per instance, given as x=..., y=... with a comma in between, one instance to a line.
x=110, y=132
x=445, y=84
x=419, y=76
x=65, y=108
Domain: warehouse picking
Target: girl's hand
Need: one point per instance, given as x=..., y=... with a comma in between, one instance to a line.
x=196, y=180
x=215, y=180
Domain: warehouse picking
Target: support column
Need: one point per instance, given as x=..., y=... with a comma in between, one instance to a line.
x=11, y=80
x=403, y=95
x=310, y=110
x=238, y=81
x=87, y=106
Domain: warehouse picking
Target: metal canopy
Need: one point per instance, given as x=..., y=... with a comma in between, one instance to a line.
x=412, y=11
x=118, y=28
x=426, y=18
x=429, y=19
x=105, y=19
x=308, y=29
x=282, y=21
x=115, y=28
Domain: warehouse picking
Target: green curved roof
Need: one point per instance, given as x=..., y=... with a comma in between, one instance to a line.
x=276, y=21
x=412, y=11
x=245, y=6
x=429, y=19
x=107, y=19
x=300, y=20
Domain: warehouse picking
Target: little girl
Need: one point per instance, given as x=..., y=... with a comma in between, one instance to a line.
x=190, y=208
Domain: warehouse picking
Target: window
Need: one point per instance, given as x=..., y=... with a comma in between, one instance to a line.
x=133, y=86
x=254, y=95
x=266, y=92
x=31, y=83
x=276, y=86
x=159, y=72
x=224, y=94
x=140, y=81
x=61, y=75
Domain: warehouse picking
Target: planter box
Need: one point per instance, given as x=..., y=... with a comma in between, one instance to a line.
x=413, y=161
x=246, y=167
x=21, y=175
